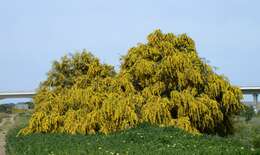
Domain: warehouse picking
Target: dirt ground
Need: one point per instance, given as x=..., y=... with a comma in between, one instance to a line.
x=6, y=124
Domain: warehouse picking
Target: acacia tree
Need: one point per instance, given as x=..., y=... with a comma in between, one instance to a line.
x=162, y=82
x=81, y=95
x=179, y=87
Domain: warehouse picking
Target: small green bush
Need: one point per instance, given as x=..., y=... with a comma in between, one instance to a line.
x=258, y=114
x=248, y=113
x=6, y=108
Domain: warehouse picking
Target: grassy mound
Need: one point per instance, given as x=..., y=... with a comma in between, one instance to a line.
x=143, y=139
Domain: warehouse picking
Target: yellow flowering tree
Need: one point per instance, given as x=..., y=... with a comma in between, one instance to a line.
x=179, y=87
x=163, y=82
x=81, y=95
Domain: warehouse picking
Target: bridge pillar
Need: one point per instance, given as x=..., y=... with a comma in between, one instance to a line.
x=257, y=105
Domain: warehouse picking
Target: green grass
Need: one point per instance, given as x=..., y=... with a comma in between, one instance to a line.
x=248, y=133
x=145, y=139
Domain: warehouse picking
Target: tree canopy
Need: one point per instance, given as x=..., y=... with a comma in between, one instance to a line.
x=163, y=82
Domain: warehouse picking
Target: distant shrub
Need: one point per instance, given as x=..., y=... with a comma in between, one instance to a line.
x=30, y=104
x=6, y=108
x=2, y=108
x=258, y=113
x=248, y=113
x=162, y=82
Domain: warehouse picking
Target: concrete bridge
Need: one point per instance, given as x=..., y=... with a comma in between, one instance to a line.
x=254, y=91
x=18, y=94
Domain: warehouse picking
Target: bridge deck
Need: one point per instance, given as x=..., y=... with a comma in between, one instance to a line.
x=250, y=90
x=21, y=94
x=246, y=90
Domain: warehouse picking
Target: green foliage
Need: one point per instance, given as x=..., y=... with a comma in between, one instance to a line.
x=247, y=132
x=248, y=113
x=30, y=104
x=162, y=82
x=6, y=108
x=258, y=114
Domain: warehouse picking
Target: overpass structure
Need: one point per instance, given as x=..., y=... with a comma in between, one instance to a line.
x=18, y=94
x=254, y=90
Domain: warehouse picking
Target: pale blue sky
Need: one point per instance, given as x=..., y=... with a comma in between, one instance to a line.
x=34, y=33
